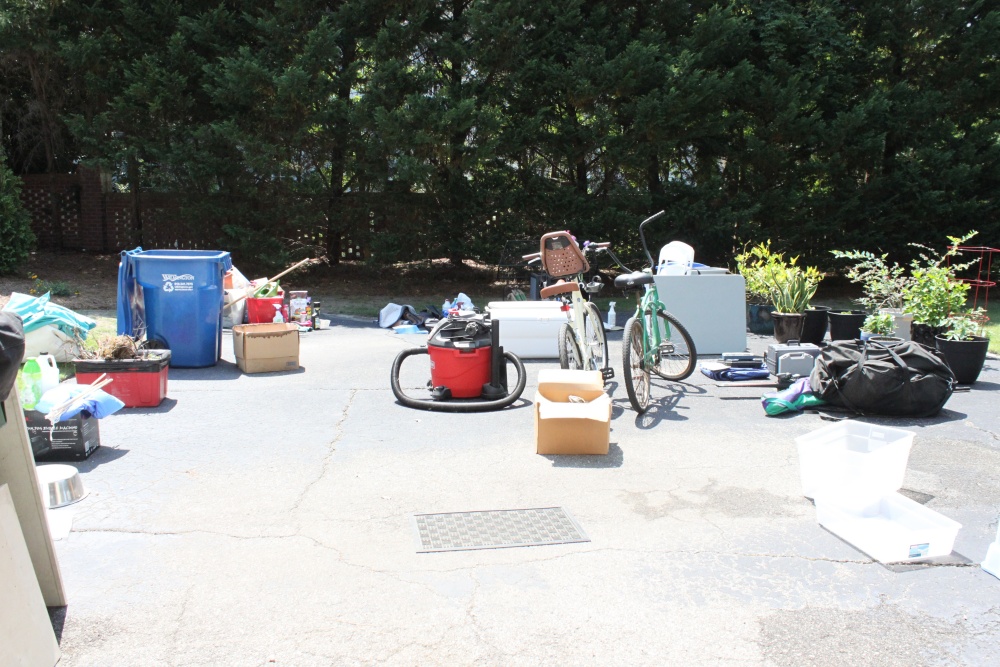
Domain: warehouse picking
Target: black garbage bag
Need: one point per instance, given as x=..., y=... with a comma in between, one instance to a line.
x=904, y=379
x=11, y=351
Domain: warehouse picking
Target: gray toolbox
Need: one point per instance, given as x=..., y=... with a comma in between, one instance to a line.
x=791, y=358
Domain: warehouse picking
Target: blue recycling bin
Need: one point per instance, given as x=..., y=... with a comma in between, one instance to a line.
x=178, y=296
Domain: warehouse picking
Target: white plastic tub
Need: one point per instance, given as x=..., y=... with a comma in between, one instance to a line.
x=889, y=528
x=529, y=329
x=868, y=458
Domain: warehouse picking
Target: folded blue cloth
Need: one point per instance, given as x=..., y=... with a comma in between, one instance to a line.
x=99, y=403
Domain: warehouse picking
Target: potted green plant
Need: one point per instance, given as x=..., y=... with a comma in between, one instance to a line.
x=878, y=325
x=791, y=289
x=751, y=264
x=933, y=292
x=964, y=344
x=882, y=286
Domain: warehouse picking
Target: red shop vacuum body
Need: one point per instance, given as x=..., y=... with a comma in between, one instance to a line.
x=466, y=362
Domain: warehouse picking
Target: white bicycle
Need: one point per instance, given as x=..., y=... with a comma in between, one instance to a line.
x=583, y=342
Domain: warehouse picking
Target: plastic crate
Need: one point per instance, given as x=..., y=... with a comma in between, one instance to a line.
x=138, y=383
x=889, y=528
x=865, y=457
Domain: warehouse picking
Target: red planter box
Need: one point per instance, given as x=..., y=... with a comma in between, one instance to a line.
x=138, y=383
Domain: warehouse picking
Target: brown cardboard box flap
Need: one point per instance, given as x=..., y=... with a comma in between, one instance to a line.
x=558, y=385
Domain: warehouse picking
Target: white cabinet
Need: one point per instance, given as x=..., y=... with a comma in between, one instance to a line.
x=711, y=307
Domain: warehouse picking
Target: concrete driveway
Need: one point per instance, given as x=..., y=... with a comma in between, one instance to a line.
x=268, y=520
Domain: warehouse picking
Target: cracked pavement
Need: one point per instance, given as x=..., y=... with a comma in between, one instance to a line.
x=267, y=520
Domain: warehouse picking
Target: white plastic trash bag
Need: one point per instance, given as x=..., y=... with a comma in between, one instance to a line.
x=48, y=339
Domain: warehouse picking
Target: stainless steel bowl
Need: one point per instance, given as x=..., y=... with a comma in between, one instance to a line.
x=62, y=483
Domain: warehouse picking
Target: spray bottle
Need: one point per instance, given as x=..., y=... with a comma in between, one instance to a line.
x=612, y=316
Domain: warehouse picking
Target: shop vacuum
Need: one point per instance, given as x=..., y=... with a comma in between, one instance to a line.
x=468, y=368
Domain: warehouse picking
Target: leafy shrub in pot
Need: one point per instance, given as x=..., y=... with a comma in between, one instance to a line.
x=965, y=344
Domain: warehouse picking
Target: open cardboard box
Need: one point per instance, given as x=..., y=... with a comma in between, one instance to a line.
x=565, y=427
x=266, y=348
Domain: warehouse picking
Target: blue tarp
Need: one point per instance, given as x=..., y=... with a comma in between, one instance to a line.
x=37, y=312
x=98, y=403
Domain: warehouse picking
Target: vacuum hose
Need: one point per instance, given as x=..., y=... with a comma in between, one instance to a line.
x=456, y=406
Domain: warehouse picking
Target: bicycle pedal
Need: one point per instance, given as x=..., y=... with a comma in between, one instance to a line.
x=607, y=374
x=666, y=348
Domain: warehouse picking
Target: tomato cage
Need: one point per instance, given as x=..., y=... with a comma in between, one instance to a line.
x=982, y=268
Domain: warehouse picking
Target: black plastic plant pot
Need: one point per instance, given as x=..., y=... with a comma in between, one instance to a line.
x=925, y=334
x=846, y=324
x=787, y=326
x=814, y=325
x=964, y=357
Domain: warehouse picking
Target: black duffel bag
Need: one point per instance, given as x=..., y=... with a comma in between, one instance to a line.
x=896, y=379
x=11, y=351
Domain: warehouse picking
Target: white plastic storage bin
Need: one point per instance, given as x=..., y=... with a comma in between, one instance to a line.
x=851, y=454
x=529, y=329
x=889, y=528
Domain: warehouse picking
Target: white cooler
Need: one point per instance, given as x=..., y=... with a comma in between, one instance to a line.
x=529, y=329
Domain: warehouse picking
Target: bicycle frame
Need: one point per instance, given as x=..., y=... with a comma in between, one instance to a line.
x=576, y=307
x=647, y=305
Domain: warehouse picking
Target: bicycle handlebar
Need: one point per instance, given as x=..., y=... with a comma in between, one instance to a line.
x=642, y=236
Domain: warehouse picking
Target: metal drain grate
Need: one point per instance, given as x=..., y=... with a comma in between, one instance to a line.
x=496, y=529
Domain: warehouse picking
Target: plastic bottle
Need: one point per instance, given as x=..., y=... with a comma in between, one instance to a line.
x=30, y=384
x=612, y=316
x=446, y=308
x=277, y=315
x=50, y=372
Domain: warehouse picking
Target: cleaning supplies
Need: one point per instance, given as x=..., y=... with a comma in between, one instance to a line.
x=612, y=316
x=50, y=371
x=29, y=384
x=278, y=319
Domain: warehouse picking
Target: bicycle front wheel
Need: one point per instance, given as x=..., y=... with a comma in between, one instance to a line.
x=634, y=367
x=595, y=339
x=570, y=356
x=676, y=357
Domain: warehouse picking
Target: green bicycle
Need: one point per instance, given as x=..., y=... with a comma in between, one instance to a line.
x=654, y=341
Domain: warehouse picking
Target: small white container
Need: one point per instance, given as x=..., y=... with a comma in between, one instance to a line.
x=865, y=457
x=529, y=329
x=889, y=528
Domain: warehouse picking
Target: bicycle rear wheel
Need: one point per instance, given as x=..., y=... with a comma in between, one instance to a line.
x=595, y=338
x=570, y=356
x=634, y=369
x=677, y=356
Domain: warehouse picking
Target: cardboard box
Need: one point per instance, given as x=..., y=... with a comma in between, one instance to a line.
x=565, y=427
x=266, y=348
x=73, y=439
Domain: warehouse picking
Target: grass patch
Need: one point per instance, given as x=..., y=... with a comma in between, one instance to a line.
x=993, y=328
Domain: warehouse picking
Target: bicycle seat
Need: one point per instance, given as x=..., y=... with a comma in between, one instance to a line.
x=561, y=256
x=561, y=287
x=634, y=280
